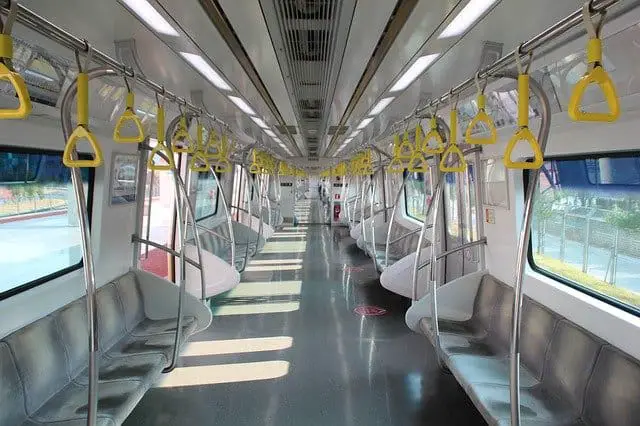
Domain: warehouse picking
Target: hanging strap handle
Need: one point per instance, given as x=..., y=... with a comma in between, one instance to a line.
x=7, y=73
x=129, y=116
x=395, y=166
x=181, y=140
x=523, y=133
x=595, y=74
x=223, y=166
x=418, y=164
x=69, y=156
x=481, y=117
x=161, y=146
x=406, y=148
x=433, y=135
x=458, y=163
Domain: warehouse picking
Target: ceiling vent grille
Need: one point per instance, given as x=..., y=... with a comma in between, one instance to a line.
x=311, y=55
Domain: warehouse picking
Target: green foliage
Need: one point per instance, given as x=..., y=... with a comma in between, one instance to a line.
x=624, y=219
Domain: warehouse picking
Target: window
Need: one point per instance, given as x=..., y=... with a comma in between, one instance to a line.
x=206, y=195
x=39, y=233
x=414, y=194
x=586, y=226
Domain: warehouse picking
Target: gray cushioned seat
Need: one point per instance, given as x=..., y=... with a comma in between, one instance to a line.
x=43, y=366
x=568, y=376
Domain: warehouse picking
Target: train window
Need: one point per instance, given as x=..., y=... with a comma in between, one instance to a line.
x=414, y=194
x=586, y=226
x=206, y=195
x=452, y=205
x=39, y=233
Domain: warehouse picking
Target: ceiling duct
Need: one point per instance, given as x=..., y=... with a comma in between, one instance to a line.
x=310, y=38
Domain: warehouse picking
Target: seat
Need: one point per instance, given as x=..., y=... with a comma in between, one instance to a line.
x=44, y=365
x=568, y=376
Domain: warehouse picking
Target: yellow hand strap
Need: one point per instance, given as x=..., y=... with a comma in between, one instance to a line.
x=481, y=117
x=459, y=164
x=418, y=164
x=406, y=148
x=396, y=166
x=8, y=74
x=254, y=168
x=419, y=137
x=213, y=147
x=596, y=74
x=160, y=146
x=200, y=144
x=128, y=116
x=433, y=135
x=182, y=135
x=223, y=166
x=199, y=162
x=82, y=130
x=523, y=133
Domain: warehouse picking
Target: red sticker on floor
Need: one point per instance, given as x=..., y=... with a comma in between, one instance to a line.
x=370, y=311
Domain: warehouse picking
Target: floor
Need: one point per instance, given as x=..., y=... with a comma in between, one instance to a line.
x=287, y=347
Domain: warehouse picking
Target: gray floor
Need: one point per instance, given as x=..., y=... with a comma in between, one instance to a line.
x=341, y=368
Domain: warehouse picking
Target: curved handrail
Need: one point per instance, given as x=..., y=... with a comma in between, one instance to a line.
x=87, y=255
x=454, y=250
x=393, y=215
x=227, y=214
x=523, y=243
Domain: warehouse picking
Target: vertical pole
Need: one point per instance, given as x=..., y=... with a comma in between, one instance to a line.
x=227, y=214
x=391, y=219
x=433, y=269
x=482, y=263
x=140, y=190
x=523, y=243
x=146, y=250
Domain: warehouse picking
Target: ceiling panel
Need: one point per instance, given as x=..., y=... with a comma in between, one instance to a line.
x=463, y=57
x=366, y=28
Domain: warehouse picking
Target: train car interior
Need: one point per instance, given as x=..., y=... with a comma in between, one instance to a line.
x=319, y=212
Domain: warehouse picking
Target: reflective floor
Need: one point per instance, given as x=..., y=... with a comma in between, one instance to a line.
x=286, y=348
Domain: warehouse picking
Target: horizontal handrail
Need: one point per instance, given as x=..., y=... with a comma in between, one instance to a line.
x=382, y=210
x=172, y=252
x=465, y=246
x=415, y=231
x=212, y=232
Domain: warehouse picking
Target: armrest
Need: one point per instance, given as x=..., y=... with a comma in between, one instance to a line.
x=455, y=301
x=161, y=300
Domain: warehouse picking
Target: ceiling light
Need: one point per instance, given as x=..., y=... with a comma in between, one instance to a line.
x=467, y=16
x=270, y=133
x=414, y=71
x=354, y=134
x=381, y=105
x=148, y=14
x=346, y=141
x=260, y=122
x=364, y=123
x=206, y=70
x=277, y=139
x=240, y=103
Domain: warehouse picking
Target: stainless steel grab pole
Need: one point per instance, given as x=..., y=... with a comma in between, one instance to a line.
x=433, y=270
x=191, y=216
x=87, y=254
x=391, y=219
x=227, y=214
x=523, y=244
x=479, y=208
x=140, y=198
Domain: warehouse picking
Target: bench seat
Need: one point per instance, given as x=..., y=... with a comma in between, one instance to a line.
x=44, y=365
x=568, y=376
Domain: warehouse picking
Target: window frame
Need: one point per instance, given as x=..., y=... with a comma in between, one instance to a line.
x=89, y=198
x=215, y=210
x=630, y=309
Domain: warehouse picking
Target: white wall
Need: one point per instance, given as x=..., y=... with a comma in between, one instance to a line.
x=111, y=226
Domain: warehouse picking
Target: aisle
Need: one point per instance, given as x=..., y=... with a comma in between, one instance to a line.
x=287, y=349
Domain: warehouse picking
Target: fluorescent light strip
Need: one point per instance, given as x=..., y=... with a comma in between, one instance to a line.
x=465, y=19
x=380, y=106
x=270, y=133
x=206, y=70
x=240, y=103
x=414, y=71
x=260, y=122
x=354, y=134
x=151, y=17
x=364, y=123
